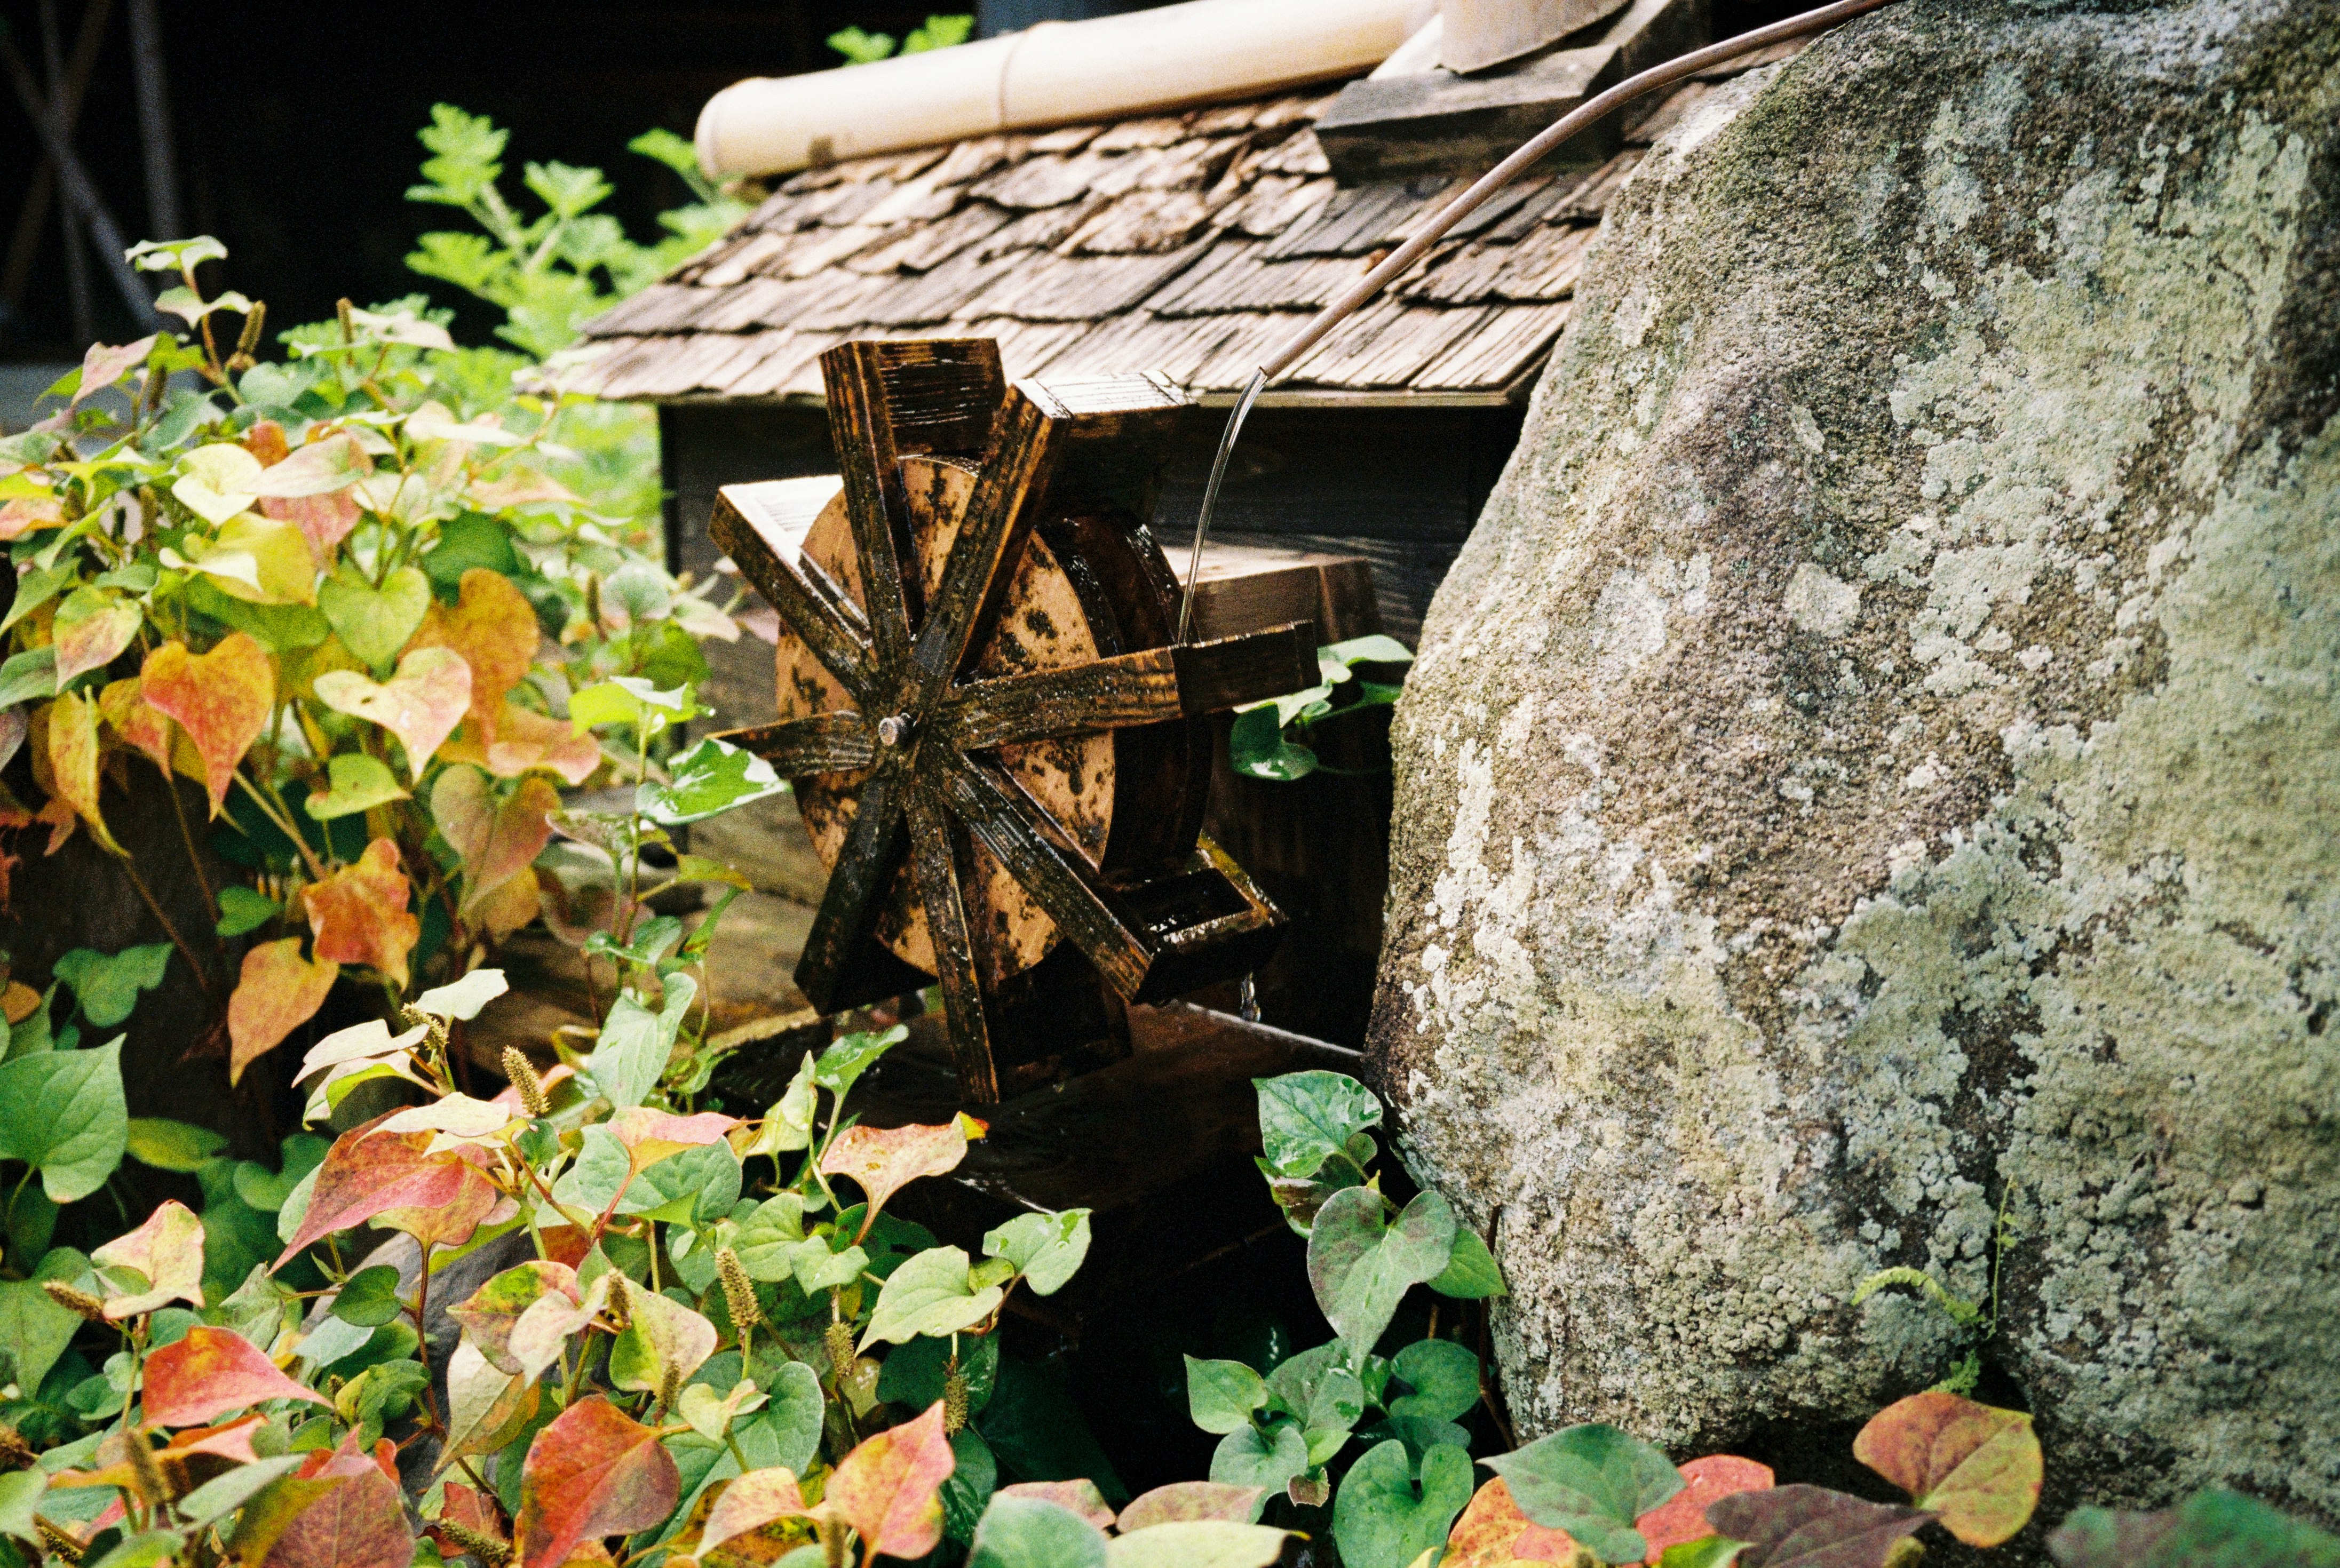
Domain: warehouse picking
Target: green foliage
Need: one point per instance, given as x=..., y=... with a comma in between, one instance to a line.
x=1593, y=1482
x=1264, y=742
x=550, y=271
x=861, y=48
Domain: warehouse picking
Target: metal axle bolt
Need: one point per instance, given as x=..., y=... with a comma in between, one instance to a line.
x=894, y=729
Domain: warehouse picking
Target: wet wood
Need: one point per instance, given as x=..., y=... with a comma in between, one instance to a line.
x=1141, y=689
x=811, y=603
x=826, y=743
x=934, y=855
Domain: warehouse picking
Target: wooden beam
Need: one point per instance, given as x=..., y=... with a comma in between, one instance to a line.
x=861, y=433
x=835, y=742
x=848, y=909
x=1003, y=820
x=935, y=860
x=990, y=543
x=1139, y=688
x=770, y=554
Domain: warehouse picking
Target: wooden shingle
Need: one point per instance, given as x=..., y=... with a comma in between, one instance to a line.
x=1192, y=244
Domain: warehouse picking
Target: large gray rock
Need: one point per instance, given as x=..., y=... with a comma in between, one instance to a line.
x=1878, y=760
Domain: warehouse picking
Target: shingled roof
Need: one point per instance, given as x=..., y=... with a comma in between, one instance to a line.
x=1187, y=244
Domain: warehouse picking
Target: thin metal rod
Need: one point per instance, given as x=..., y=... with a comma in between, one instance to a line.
x=1533, y=153
x=1576, y=119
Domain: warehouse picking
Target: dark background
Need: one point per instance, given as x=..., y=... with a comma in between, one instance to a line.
x=294, y=125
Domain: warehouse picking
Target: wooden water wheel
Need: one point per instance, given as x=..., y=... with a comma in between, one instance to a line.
x=998, y=750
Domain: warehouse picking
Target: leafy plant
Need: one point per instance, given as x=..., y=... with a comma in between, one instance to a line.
x=669, y=1359
x=547, y=272
x=860, y=48
x=1975, y=1322
x=360, y=606
x=1283, y=1428
x=1265, y=742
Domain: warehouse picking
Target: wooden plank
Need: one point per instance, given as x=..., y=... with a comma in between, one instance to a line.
x=1139, y=688
x=1004, y=820
x=1244, y=588
x=1437, y=121
x=886, y=400
x=856, y=889
x=755, y=526
x=935, y=860
x=827, y=744
x=990, y=542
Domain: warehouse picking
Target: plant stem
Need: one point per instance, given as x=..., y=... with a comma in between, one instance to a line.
x=130, y=870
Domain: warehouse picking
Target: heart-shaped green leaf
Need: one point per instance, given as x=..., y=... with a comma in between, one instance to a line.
x=1306, y=1118
x=374, y=623
x=1593, y=1482
x=1470, y=1274
x=359, y=782
x=369, y=1299
x=1443, y=1377
x=1222, y=1395
x=63, y=1114
x=1360, y=1265
x=1046, y=1248
x=1381, y=1520
x=930, y=1294
x=1249, y=1457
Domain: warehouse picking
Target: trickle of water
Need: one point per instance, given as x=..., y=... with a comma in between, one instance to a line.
x=1211, y=494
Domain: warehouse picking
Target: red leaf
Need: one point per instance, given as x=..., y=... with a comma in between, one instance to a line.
x=882, y=1161
x=211, y=1372
x=1978, y=1467
x=1682, y=1516
x=1081, y=1498
x=360, y=1524
x=324, y=521
x=890, y=1488
x=277, y=992
x=488, y=1314
x=496, y=839
x=754, y=1500
x=494, y=628
x=359, y=914
x=1182, y=1501
x=1812, y=1527
x=591, y=1473
x=523, y=739
x=369, y=1172
x=1494, y=1533
x=221, y=699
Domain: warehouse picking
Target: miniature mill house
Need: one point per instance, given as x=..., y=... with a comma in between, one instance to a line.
x=1177, y=214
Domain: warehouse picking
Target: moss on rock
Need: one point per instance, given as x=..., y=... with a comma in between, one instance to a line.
x=1878, y=759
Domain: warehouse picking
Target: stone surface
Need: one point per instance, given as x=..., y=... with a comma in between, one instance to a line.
x=1877, y=761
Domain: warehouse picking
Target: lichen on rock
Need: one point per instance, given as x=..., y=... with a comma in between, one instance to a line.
x=1878, y=759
